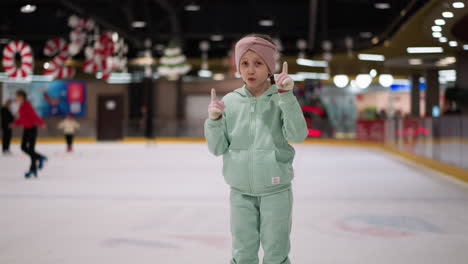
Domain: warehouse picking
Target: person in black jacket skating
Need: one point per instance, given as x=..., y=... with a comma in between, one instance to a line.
x=7, y=119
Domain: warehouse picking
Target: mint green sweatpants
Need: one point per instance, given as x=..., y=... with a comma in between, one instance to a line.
x=261, y=219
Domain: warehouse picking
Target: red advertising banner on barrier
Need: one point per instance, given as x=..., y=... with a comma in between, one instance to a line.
x=371, y=130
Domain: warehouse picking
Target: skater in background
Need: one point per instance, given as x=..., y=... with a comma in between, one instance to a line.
x=69, y=125
x=7, y=119
x=29, y=120
x=251, y=128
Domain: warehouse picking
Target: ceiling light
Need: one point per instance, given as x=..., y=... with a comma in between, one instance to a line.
x=453, y=43
x=443, y=39
x=192, y=7
x=458, y=5
x=382, y=5
x=436, y=28
x=314, y=75
x=115, y=36
x=446, y=61
x=366, y=34
x=415, y=61
x=386, y=80
x=363, y=80
x=371, y=57
x=373, y=73
x=465, y=47
x=216, y=37
x=218, y=77
x=450, y=60
x=447, y=14
x=138, y=24
x=28, y=9
x=436, y=34
x=312, y=63
x=266, y=23
x=439, y=22
x=425, y=50
x=341, y=80
x=205, y=73
x=46, y=65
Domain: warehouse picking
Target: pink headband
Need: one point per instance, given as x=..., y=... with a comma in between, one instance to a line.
x=262, y=47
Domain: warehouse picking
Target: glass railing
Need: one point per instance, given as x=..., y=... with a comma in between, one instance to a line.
x=444, y=139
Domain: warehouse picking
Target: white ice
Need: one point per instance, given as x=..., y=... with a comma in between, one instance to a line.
x=168, y=203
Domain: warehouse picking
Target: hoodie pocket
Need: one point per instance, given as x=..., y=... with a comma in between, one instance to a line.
x=236, y=168
x=268, y=171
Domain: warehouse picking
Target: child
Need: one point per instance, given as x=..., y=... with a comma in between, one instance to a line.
x=69, y=126
x=251, y=128
x=29, y=120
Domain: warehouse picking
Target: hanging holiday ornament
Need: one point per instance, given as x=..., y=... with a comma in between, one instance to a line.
x=204, y=47
x=99, y=57
x=173, y=63
x=301, y=46
x=327, y=46
x=349, y=46
x=327, y=55
x=119, y=59
x=90, y=65
x=26, y=55
x=81, y=27
x=58, y=47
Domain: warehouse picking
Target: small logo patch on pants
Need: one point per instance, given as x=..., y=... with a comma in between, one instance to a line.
x=275, y=180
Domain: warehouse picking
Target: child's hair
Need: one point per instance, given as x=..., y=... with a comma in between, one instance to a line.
x=22, y=94
x=269, y=39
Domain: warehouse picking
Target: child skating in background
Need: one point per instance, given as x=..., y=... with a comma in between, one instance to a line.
x=251, y=128
x=29, y=120
x=69, y=126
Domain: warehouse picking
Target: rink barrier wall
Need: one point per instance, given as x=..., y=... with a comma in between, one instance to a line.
x=454, y=171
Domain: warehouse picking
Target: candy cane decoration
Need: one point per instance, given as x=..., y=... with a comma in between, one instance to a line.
x=119, y=60
x=78, y=35
x=100, y=58
x=9, y=52
x=59, y=48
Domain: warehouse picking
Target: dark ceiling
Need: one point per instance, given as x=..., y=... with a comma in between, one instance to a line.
x=313, y=21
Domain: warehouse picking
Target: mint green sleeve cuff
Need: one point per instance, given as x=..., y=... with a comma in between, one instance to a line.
x=287, y=97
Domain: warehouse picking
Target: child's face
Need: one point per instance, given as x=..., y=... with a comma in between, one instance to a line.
x=19, y=99
x=253, y=69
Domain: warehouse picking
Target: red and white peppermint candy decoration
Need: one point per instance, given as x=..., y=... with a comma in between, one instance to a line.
x=9, y=52
x=60, y=72
x=77, y=22
x=99, y=58
x=59, y=48
x=81, y=26
x=90, y=65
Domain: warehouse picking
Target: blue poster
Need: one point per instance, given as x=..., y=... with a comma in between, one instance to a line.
x=56, y=98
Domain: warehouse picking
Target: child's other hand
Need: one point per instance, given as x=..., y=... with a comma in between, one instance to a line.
x=216, y=107
x=283, y=81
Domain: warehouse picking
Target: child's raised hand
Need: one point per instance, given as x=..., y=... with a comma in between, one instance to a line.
x=283, y=81
x=216, y=107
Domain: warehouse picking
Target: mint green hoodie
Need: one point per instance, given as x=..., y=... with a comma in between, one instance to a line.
x=252, y=135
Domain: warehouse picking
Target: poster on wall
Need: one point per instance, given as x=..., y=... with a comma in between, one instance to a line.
x=56, y=98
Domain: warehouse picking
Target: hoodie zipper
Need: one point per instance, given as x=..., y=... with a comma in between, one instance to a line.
x=252, y=127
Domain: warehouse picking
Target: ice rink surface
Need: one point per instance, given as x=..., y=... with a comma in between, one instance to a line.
x=121, y=203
